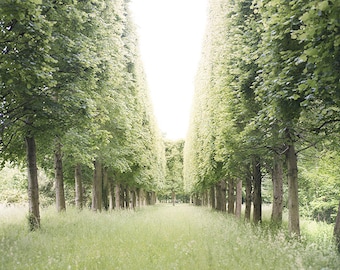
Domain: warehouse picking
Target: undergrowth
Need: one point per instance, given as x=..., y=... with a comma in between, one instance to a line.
x=159, y=237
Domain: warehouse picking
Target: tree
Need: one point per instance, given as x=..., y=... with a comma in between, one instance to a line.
x=26, y=104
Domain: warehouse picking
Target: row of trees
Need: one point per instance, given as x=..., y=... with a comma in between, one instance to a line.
x=73, y=95
x=267, y=90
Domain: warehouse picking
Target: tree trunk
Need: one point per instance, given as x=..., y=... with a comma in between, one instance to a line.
x=173, y=197
x=218, y=196
x=248, y=194
x=238, y=198
x=78, y=187
x=293, y=196
x=105, y=190
x=127, y=198
x=212, y=197
x=257, y=214
x=117, y=196
x=153, y=198
x=97, y=187
x=111, y=193
x=207, y=195
x=277, y=178
x=139, y=197
x=336, y=232
x=33, y=188
x=223, y=195
x=59, y=177
x=134, y=198
x=231, y=196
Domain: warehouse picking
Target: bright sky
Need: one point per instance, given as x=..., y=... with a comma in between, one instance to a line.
x=170, y=39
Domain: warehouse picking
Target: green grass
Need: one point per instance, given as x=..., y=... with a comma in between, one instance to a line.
x=160, y=237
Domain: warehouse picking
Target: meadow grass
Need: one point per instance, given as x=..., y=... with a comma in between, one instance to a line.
x=158, y=237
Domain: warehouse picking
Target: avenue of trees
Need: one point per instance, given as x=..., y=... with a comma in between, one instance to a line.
x=74, y=102
x=267, y=104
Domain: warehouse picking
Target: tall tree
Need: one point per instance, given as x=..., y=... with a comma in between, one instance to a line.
x=26, y=82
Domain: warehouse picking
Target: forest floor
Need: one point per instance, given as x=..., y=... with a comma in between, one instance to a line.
x=157, y=237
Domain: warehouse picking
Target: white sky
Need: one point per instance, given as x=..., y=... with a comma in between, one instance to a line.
x=170, y=40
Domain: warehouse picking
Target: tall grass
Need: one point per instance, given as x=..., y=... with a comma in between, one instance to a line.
x=160, y=237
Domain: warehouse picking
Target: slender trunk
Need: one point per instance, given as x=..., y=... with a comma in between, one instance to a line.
x=78, y=186
x=139, y=197
x=248, y=194
x=207, y=195
x=293, y=196
x=153, y=198
x=134, y=198
x=212, y=197
x=117, y=196
x=111, y=193
x=173, y=197
x=33, y=188
x=238, y=198
x=257, y=214
x=97, y=187
x=336, y=232
x=127, y=197
x=218, y=196
x=59, y=177
x=122, y=196
x=148, y=198
x=231, y=196
x=105, y=190
x=223, y=195
x=277, y=178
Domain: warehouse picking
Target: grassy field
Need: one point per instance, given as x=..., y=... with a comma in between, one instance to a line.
x=159, y=237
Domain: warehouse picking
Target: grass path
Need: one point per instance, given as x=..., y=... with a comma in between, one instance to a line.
x=161, y=237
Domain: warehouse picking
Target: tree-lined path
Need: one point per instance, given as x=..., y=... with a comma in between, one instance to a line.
x=76, y=115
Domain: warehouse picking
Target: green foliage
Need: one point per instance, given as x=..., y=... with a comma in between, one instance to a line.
x=320, y=184
x=13, y=186
x=174, y=169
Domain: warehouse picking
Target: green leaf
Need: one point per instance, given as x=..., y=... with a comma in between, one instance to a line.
x=323, y=5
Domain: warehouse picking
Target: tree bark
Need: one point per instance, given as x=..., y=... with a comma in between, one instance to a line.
x=134, y=198
x=105, y=190
x=238, y=198
x=111, y=193
x=231, y=196
x=97, y=187
x=173, y=197
x=78, y=186
x=59, y=177
x=336, y=232
x=277, y=178
x=33, y=188
x=218, y=196
x=139, y=197
x=117, y=196
x=223, y=195
x=293, y=196
x=127, y=197
x=248, y=194
x=257, y=198
x=212, y=197
x=153, y=198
